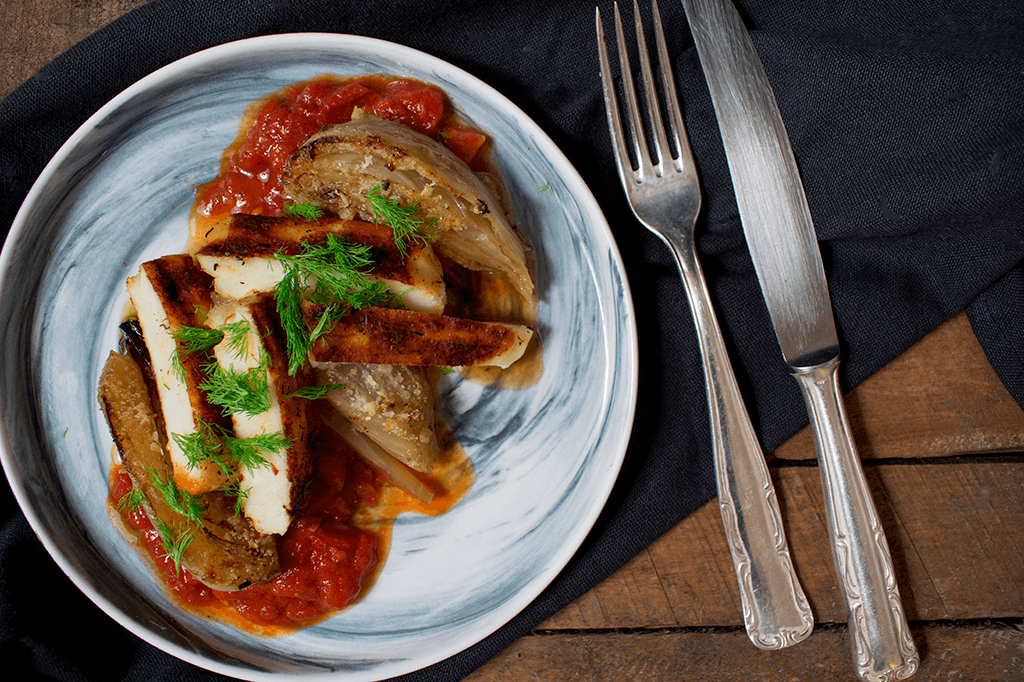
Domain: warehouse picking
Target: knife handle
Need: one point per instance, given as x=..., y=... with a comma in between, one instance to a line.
x=879, y=636
x=775, y=611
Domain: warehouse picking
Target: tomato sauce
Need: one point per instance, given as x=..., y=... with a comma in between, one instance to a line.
x=326, y=562
x=275, y=127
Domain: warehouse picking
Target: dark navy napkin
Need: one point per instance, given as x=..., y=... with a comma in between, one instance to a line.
x=907, y=120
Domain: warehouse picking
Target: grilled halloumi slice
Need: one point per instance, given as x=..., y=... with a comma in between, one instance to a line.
x=272, y=492
x=405, y=337
x=166, y=294
x=239, y=254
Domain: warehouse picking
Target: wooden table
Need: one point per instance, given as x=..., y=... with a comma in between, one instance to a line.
x=941, y=441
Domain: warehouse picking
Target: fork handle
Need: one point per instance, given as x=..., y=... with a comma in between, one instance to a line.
x=775, y=610
x=883, y=650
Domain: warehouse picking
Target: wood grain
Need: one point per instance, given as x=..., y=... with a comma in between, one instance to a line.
x=955, y=525
x=954, y=531
x=940, y=398
x=989, y=652
x=33, y=32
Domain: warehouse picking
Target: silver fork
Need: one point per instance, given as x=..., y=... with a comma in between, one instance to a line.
x=664, y=194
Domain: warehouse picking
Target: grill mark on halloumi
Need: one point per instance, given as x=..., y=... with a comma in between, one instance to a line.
x=167, y=293
x=405, y=337
x=276, y=490
x=240, y=254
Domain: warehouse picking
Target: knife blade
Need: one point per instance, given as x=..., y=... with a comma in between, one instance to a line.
x=784, y=249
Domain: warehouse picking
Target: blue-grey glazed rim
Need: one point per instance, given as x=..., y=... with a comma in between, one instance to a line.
x=118, y=192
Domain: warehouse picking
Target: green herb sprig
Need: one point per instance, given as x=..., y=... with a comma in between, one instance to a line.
x=174, y=543
x=402, y=220
x=237, y=336
x=191, y=340
x=313, y=392
x=131, y=500
x=181, y=501
x=235, y=490
x=204, y=445
x=213, y=443
x=302, y=210
x=333, y=273
x=245, y=392
x=248, y=452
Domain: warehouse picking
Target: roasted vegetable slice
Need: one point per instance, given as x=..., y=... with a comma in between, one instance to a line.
x=393, y=405
x=217, y=547
x=379, y=458
x=340, y=167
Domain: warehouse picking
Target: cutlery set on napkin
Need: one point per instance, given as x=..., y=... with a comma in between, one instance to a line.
x=784, y=249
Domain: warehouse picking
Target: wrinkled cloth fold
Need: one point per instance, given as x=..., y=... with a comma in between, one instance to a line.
x=908, y=126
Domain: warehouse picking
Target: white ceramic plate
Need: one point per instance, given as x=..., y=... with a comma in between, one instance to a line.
x=118, y=193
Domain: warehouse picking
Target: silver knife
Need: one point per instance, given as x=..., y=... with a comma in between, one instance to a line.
x=784, y=249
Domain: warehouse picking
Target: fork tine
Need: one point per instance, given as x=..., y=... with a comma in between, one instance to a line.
x=611, y=105
x=680, y=139
x=636, y=124
x=661, y=148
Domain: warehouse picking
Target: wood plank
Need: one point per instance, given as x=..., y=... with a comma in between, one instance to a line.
x=33, y=32
x=939, y=398
x=956, y=532
x=987, y=651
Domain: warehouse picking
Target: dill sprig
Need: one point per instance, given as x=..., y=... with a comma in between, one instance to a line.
x=235, y=490
x=248, y=452
x=181, y=501
x=205, y=444
x=401, y=219
x=334, y=273
x=237, y=336
x=313, y=392
x=131, y=500
x=191, y=340
x=302, y=210
x=174, y=543
x=245, y=392
x=194, y=339
x=288, y=296
x=214, y=443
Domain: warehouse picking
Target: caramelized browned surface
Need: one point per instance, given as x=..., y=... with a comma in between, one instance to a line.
x=184, y=291
x=298, y=416
x=224, y=552
x=254, y=236
x=405, y=337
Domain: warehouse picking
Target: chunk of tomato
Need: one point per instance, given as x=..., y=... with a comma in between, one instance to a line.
x=416, y=105
x=326, y=103
x=463, y=140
